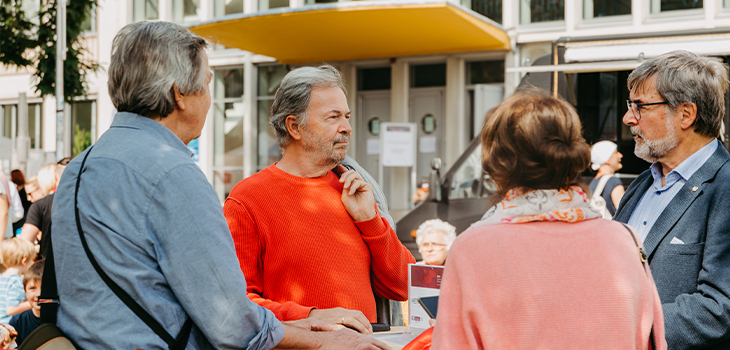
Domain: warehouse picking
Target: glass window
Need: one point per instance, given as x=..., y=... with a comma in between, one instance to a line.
x=9, y=123
x=89, y=24
x=82, y=119
x=145, y=10
x=484, y=72
x=428, y=75
x=185, y=10
x=658, y=6
x=228, y=113
x=269, y=78
x=373, y=79
x=536, y=11
x=726, y=3
x=312, y=2
x=489, y=8
x=272, y=4
x=604, y=8
x=227, y=7
x=466, y=181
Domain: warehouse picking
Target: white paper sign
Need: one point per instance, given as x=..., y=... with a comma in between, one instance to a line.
x=373, y=146
x=423, y=281
x=427, y=144
x=398, y=144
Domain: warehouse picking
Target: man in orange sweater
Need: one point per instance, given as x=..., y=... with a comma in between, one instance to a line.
x=312, y=243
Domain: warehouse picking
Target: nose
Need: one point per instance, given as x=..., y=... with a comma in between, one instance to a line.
x=629, y=119
x=345, y=126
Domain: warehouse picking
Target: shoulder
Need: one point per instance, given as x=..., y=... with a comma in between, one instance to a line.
x=613, y=182
x=253, y=185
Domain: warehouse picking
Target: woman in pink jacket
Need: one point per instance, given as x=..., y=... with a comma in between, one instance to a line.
x=541, y=269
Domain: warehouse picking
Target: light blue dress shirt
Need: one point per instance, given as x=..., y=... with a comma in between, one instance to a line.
x=156, y=227
x=656, y=198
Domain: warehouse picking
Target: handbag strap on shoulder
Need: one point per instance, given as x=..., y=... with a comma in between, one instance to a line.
x=645, y=263
x=178, y=343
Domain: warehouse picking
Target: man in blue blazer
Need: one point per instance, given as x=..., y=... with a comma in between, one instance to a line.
x=680, y=207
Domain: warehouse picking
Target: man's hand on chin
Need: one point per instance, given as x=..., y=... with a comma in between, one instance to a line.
x=341, y=317
x=357, y=195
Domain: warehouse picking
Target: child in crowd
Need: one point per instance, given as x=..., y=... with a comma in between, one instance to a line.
x=18, y=255
x=27, y=321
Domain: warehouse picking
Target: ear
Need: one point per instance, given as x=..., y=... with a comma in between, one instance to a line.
x=22, y=262
x=292, y=126
x=688, y=112
x=179, y=101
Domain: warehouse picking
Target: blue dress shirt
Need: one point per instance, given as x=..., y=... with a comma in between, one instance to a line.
x=156, y=227
x=656, y=198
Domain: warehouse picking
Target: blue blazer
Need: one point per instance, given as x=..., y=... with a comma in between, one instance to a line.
x=693, y=279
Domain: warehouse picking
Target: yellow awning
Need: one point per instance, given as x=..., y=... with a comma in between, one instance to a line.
x=357, y=30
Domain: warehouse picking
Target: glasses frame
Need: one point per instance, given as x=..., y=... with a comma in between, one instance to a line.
x=637, y=112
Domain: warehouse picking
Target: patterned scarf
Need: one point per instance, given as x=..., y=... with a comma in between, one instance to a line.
x=569, y=205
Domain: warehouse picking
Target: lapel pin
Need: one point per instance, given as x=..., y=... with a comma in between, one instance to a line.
x=694, y=189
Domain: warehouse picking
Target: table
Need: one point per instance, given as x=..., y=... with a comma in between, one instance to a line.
x=395, y=339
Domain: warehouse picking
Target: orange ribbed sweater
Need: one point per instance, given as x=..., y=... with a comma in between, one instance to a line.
x=299, y=248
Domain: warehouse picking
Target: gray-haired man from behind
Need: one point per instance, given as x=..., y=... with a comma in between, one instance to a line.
x=154, y=223
x=679, y=207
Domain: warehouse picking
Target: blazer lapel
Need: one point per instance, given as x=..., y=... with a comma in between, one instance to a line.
x=684, y=198
x=632, y=197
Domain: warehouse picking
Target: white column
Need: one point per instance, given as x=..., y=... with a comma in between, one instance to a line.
x=455, y=132
x=639, y=9
x=711, y=8
x=250, y=6
x=250, y=119
x=296, y=3
x=571, y=14
x=400, y=177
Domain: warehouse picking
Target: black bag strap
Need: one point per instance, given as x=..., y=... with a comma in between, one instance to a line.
x=644, y=261
x=48, y=299
x=178, y=343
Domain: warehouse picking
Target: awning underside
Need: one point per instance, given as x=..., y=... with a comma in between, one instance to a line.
x=357, y=30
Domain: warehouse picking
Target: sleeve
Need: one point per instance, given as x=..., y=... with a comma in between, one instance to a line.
x=453, y=330
x=197, y=257
x=16, y=293
x=249, y=250
x=612, y=183
x=15, y=322
x=389, y=258
x=701, y=318
x=34, y=215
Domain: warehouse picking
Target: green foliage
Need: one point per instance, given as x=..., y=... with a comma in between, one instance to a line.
x=82, y=140
x=75, y=69
x=15, y=32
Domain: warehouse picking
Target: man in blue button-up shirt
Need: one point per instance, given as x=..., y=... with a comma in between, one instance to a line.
x=154, y=223
x=679, y=206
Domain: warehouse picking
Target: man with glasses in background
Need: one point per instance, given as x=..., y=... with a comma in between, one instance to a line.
x=679, y=206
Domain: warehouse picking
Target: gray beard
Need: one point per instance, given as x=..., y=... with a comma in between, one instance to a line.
x=653, y=150
x=322, y=152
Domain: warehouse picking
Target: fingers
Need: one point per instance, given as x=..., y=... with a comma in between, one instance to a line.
x=374, y=344
x=360, y=324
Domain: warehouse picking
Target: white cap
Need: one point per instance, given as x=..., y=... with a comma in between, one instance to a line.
x=601, y=152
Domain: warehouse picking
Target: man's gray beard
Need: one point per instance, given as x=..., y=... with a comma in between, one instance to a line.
x=322, y=152
x=653, y=150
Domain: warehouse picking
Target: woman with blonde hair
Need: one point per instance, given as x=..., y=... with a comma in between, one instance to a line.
x=47, y=178
x=434, y=238
x=540, y=270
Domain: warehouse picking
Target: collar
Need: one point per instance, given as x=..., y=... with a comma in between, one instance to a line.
x=159, y=131
x=689, y=166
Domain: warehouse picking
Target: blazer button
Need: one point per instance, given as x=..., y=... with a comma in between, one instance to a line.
x=694, y=189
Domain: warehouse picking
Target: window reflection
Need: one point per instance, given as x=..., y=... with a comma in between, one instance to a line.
x=185, y=11
x=146, y=10
x=228, y=118
x=605, y=8
x=658, y=6
x=269, y=78
x=227, y=7
x=535, y=11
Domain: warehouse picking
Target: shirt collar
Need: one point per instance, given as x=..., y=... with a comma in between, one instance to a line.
x=689, y=166
x=136, y=121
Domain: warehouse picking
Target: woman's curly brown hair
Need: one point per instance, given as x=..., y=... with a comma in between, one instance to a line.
x=533, y=141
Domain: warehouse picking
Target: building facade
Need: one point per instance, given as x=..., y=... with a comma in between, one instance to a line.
x=445, y=94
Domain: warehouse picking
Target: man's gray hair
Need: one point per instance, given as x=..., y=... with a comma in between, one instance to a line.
x=295, y=94
x=148, y=59
x=682, y=76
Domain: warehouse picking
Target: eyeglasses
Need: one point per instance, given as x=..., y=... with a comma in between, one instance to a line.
x=635, y=108
x=435, y=246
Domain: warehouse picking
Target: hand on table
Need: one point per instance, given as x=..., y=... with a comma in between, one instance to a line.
x=345, y=317
x=357, y=195
x=349, y=339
